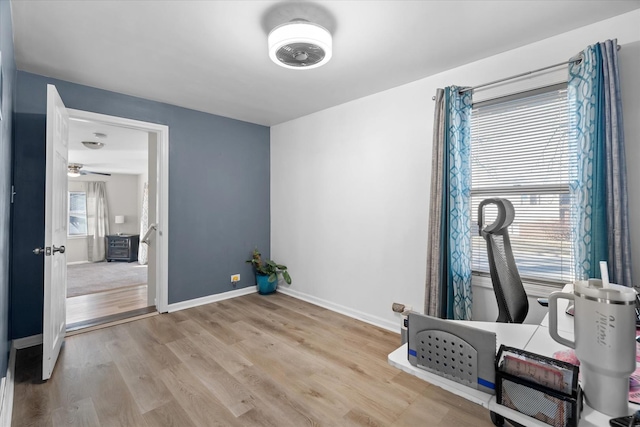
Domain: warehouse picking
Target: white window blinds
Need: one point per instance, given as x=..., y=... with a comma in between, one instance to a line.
x=521, y=151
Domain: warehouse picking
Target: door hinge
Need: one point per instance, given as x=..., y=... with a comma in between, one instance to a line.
x=13, y=193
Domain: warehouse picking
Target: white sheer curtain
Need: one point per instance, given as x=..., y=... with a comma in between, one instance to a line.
x=144, y=225
x=97, y=220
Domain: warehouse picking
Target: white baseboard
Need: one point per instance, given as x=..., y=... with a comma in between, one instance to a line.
x=6, y=391
x=210, y=298
x=78, y=262
x=20, y=343
x=347, y=311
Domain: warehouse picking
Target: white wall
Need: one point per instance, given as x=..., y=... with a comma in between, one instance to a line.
x=122, y=196
x=350, y=184
x=122, y=199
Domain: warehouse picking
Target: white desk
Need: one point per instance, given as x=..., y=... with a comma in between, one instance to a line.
x=508, y=334
x=533, y=338
x=542, y=343
x=398, y=359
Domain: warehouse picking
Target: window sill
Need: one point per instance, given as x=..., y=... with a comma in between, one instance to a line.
x=534, y=290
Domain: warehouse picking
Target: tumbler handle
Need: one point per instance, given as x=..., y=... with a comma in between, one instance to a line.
x=553, y=318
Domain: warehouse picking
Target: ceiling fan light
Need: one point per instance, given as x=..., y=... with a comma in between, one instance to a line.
x=300, y=45
x=73, y=170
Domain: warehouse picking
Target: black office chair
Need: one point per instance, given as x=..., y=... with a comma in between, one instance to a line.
x=513, y=305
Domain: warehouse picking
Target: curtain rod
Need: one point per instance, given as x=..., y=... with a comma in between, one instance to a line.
x=467, y=89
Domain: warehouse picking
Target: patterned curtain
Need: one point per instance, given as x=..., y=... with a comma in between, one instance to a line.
x=97, y=221
x=144, y=225
x=600, y=219
x=448, y=289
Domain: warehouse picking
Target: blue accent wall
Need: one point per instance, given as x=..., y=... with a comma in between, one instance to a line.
x=8, y=79
x=218, y=193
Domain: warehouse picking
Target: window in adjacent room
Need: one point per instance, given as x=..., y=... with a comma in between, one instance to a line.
x=77, y=213
x=521, y=151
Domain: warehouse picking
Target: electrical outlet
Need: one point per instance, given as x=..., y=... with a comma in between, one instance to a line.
x=235, y=278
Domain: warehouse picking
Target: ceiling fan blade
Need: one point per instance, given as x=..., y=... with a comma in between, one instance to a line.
x=93, y=173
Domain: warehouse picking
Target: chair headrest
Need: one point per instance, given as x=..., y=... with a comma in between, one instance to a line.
x=506, y=214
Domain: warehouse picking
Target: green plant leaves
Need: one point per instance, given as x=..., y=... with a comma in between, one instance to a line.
x=268, y=268
x=286, y=276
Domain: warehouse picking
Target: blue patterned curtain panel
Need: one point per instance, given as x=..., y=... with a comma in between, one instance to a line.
x=600, y=218
x=456, y=214
x=588, y=217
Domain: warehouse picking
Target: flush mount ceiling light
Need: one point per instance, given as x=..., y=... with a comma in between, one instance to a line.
x=300, y=44
x=94, y=145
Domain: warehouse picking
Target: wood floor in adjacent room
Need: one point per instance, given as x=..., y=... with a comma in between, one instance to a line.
x=249, y=361
x=108, y=303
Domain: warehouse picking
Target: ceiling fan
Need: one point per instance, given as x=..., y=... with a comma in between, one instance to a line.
x=74, y=170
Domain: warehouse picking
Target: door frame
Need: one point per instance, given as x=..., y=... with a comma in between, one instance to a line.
x=162, y=193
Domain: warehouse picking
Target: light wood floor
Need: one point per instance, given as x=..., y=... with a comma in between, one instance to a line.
x=102, y=304
x=250, y=361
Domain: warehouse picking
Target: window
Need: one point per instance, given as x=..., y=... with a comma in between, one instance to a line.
x=77, y=213
x=521, y=151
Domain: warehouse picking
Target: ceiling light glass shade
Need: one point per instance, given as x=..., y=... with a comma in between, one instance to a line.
x=94, y=145
x=295, y=44
x=73, y=174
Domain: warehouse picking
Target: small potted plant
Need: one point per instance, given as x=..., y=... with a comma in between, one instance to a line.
x=267, y=273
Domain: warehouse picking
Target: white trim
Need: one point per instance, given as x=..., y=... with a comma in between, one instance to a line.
x=539, y=291
x=162, y=220
x=110, y=324
x=78, y=262
x=162, y=217
x=359, y=315
x=535, y=290
x=7, y=387
x=26, y=342
x=177, y=306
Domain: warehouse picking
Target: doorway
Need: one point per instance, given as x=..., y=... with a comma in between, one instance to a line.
x=111, y=273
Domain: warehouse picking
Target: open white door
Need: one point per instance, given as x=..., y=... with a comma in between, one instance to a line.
x=55, y=229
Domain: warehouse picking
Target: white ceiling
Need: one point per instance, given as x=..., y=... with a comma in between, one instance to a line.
x=212, y=56
x=125, y=150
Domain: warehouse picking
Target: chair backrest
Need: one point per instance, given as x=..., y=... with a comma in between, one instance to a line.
x=513, y=305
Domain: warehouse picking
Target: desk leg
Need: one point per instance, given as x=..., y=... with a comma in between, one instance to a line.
x=496, y=419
